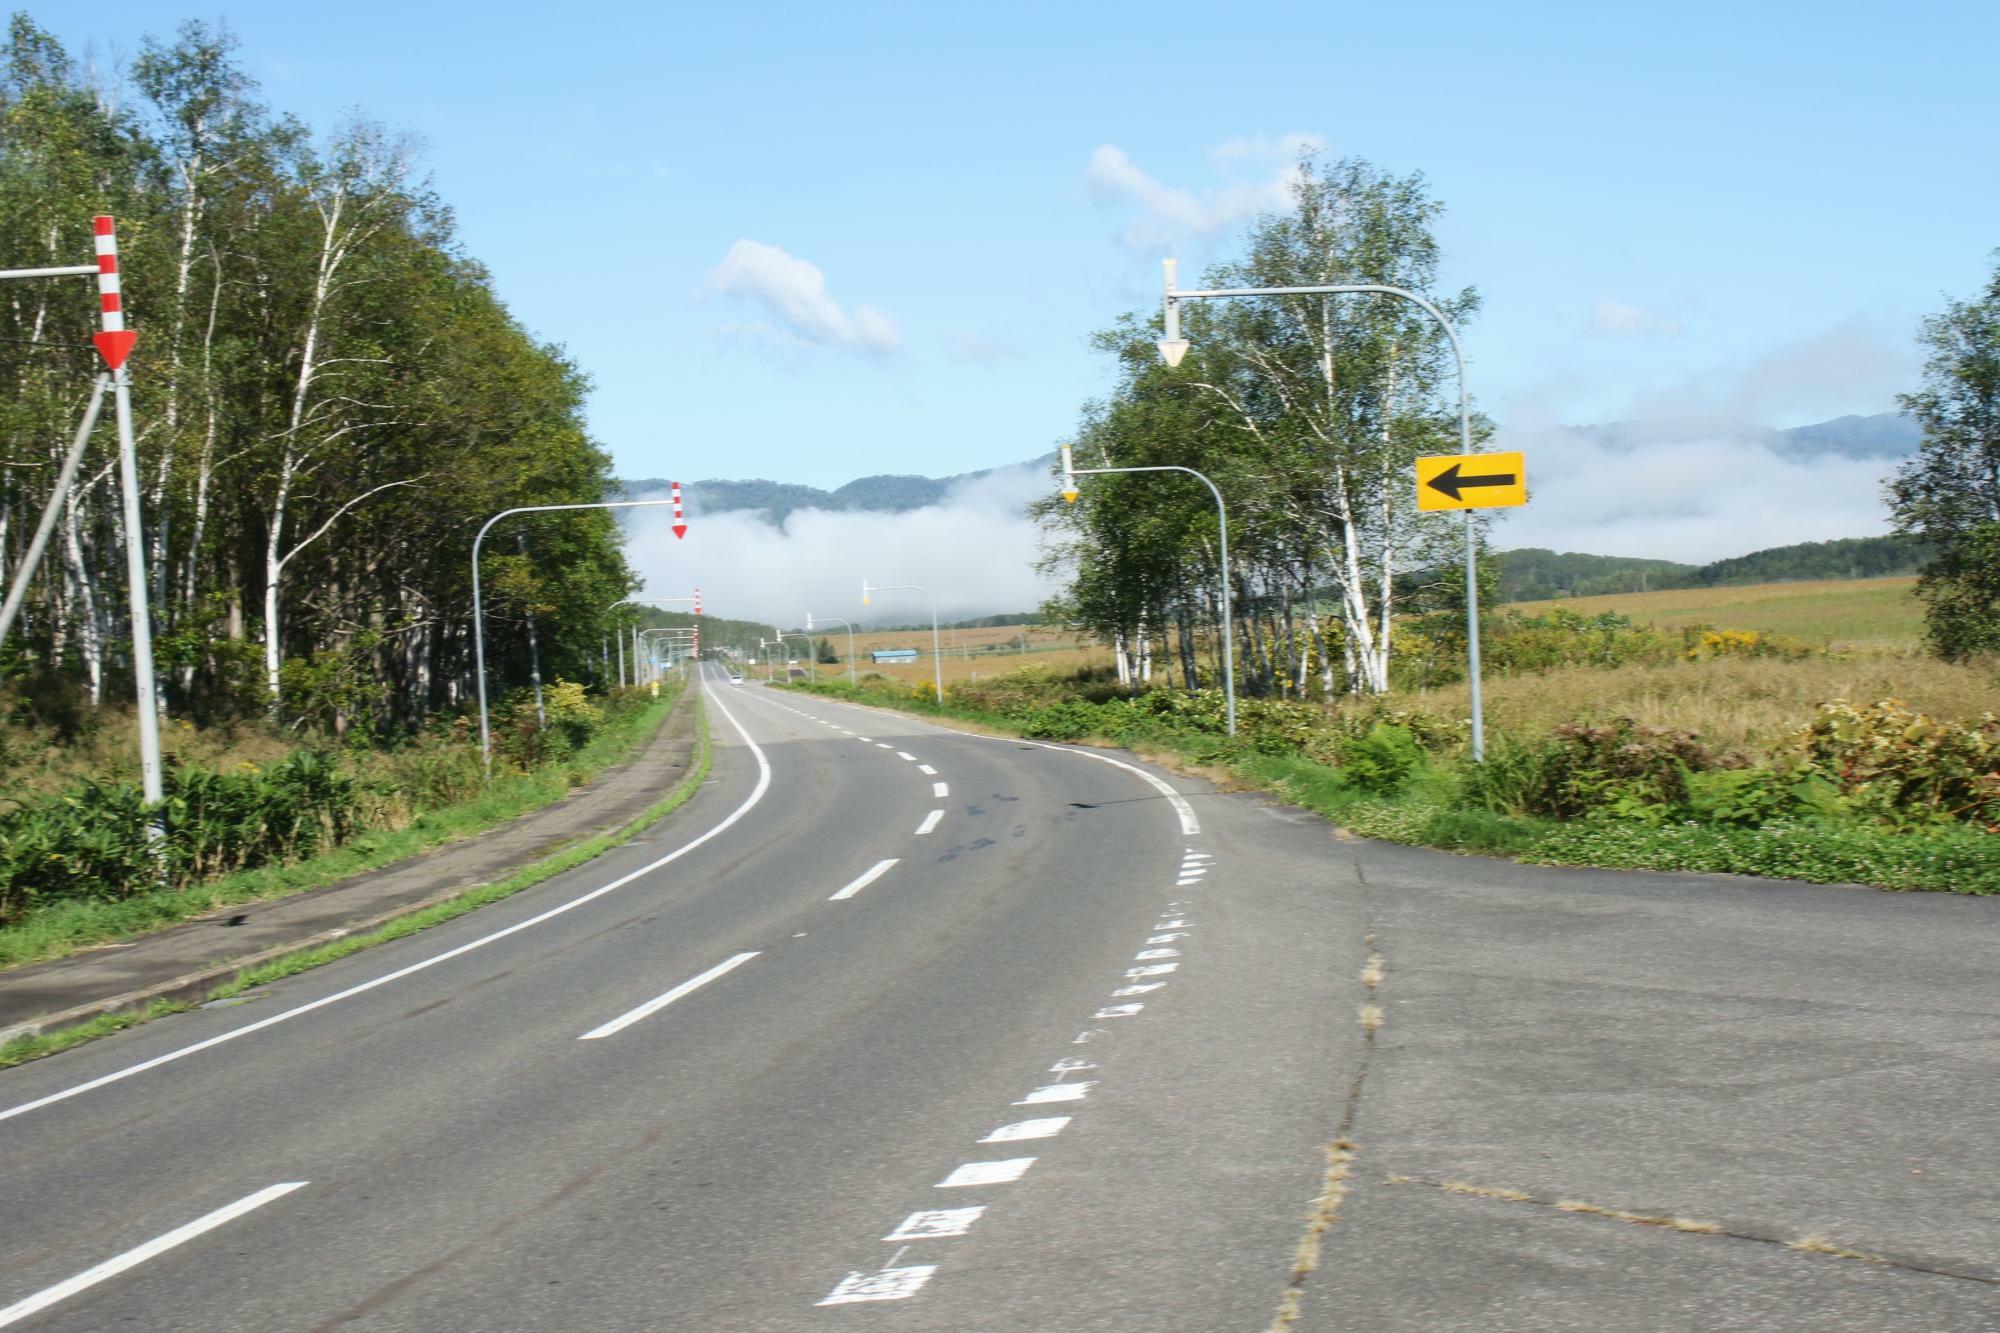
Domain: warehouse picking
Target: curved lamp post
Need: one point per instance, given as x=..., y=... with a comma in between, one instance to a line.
x=835, y=620
x=937, y=656
x=479, y=612
x=1173, y=347
x=1222, y=517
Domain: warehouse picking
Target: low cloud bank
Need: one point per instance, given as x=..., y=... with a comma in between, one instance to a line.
x=1672, y=492
x=974, y=552
x=1687, y=494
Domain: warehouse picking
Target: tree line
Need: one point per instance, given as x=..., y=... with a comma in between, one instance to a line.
x=1307, y=412
x=329, y=397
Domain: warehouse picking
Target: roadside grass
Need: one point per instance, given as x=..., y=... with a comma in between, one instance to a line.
x=62, y=928
x=35, y=1047
x=473, y=899
x=1748, y=703
x=23, y=1049
x=1431, y=807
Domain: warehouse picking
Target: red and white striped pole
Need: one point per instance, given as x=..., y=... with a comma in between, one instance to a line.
x=680, y=519
x=114, y=344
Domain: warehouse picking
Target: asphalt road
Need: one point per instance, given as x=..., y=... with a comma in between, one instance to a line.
x=1077, y=1057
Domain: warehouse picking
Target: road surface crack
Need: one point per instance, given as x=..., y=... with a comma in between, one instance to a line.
x=1811, y=1243
x=1340, y=1152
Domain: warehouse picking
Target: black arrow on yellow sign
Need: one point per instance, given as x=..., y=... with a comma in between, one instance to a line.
x=1451, y=482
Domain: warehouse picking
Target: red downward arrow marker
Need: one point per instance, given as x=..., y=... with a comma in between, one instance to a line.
x=680, y=529
x=115, y=347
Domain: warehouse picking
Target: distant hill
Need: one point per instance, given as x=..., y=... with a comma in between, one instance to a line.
x=1884, y=435
x=1532, y=574
x=887, y=493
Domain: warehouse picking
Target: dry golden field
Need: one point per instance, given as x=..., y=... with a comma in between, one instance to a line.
x=1841, y=613
x=968, y=653
x=1870, y=631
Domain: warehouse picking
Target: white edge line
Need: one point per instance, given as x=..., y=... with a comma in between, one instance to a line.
x=159, y=1245
x=118, y=1075
x=930, y=822
x=653, y=1006
x=867, y=877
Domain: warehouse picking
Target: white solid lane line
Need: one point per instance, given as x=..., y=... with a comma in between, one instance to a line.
x=930, y=822
x=867, y=878
x=653, y=1006
x=132, y=1258
x=118, y=1075
x=940, y=790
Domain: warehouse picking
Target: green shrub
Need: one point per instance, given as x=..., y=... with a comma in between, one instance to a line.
x=1060, y=722
x=1380, y=760
x=1903, y=768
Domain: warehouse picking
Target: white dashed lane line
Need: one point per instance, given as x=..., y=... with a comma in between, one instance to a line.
x=987, y=1173
x=936, y=1223
x=930, y=822
x=1045, y=1128
x=885, y=1284
x=905, y=755
x=927, y=770
x=653, y=1006
x=940, y=790
x=868, y=877
x=139, y=1254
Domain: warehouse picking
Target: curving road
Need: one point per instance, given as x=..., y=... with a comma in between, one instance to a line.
x=899, y=1028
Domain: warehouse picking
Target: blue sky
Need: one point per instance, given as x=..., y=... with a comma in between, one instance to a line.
x=1737, y=211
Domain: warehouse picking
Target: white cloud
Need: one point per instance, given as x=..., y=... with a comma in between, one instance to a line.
x=1615, y=319
x=793, y=292
x=974, y=551
x=1689, y=493
x=1262, y=147
x=1844, y=369
x=1169, y=213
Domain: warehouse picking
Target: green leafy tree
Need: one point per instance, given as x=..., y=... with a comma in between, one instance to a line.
x=1949, y=494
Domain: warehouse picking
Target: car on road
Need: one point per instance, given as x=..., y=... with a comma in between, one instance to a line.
x=735, y=678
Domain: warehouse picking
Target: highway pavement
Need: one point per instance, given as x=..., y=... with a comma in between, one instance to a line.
x=900, y=1028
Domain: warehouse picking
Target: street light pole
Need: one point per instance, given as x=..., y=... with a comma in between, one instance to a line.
x=937, y=656
x=1173, y=347
x=836, y=620
x=1222, y=518
x=640, y=601
x=479, y=613
x=811, y=665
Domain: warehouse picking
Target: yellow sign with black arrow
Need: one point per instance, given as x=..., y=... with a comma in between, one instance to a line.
x=1472, y=481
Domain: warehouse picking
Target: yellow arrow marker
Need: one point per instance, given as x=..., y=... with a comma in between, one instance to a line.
x=1472, y=481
